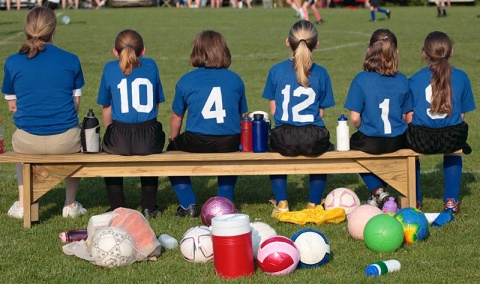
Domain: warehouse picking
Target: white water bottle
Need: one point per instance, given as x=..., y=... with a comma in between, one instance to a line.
x=90, y=133
x=343, y=134
x=382, y=267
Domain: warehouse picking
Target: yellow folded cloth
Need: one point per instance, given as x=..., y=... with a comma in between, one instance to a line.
x=318, y=215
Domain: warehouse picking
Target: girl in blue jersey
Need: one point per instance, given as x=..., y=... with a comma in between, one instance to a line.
x=130, y=92
x=441, y=96
x=378, y=99
x=299, y=91
x=42, y=85
x=214, y=99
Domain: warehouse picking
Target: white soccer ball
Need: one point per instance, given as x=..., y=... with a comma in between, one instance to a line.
x=313, y=247
x=260, y=232
x=342, y=198
x=65, y=20
x=196, y=244
x=113, y=247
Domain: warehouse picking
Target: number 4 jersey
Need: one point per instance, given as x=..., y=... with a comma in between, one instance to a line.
x=294, y=104
x=214, y=100
x=133, y=98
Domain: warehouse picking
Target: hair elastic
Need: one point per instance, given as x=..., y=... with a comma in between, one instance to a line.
x=385, y=37
x=304, y=40
x=128, y=44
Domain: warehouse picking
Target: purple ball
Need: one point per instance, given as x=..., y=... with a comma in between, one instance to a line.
x=216, y=206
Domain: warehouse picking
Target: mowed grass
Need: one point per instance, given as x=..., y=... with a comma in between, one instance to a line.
x=257, y=41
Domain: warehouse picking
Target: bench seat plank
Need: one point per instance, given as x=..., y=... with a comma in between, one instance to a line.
x=43, y=172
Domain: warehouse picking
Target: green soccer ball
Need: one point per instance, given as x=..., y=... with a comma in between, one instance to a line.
x=383, y=233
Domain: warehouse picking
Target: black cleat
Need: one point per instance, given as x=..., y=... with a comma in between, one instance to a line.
x=151, y=213
x=388, y=14
x=191, y=211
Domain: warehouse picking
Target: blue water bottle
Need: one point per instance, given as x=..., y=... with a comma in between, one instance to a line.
x=259, y=129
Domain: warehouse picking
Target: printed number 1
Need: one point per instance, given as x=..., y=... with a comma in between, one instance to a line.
x=214, y=102
x=385, y=107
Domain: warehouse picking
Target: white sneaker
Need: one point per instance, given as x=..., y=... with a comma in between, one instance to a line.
x=15, y=211
x=73, y=210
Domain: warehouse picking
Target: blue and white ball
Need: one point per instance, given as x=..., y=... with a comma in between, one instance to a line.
x=313, y=246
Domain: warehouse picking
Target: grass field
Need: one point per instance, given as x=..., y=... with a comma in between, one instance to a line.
x=256, y=39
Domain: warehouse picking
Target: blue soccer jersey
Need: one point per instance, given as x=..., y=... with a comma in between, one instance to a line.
x=43, y=87
x=214, y=100
x=133, y=98
x=294, y=104
x=381, y=102
x=462, y=99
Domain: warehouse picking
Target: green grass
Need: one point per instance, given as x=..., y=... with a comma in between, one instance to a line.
x=256, y=38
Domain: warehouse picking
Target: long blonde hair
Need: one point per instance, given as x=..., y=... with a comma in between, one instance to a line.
x=382, y=55
x=437, y=49
x=303, y=38
x=39, y=28
x=129, y=46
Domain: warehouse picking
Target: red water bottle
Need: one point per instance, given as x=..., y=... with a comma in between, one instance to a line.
x=246, y=135
x=73, y=235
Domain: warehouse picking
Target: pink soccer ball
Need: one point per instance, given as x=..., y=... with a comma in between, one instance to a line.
x=359, y=218
x=216, y=206
x=278, y=255
x=342, y=198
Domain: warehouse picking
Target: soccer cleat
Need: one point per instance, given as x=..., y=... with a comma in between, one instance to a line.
x=311, y=205
x=151, y=213
x=191, y=211
x=388, y=14
x=281, y=207
x=379, y=197
x=419, y=205
x=319, y=22
x=73, y=210
x=452, y=206
x=15, y=211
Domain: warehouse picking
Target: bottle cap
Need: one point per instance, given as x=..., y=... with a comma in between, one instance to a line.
x=342, y=118
x=372, y=270
x=390, y=206
x=247, y=118
x=90, y=113
x=258, y=116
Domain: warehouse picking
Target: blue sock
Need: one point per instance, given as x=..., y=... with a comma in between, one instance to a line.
x=226, y=186
x=279, y=187
x=317, y=185
x=381, y=10
x=452, y=171
x=372, y=14
x=373, y=182
x=417, y=180
x=184, y=191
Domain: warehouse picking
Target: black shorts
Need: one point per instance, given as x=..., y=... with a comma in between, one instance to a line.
x=438, y=140
x=134, y=139
x=375, y=3
x=194, y=143
x=376, y=145
x=308, y=140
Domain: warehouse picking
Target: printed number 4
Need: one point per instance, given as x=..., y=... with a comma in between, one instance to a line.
x=213, y=108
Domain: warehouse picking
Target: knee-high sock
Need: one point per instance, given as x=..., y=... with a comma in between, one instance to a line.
x=305, y=14
x=381, y=10
x=183, y=189
x=317, y=185
x=149, y=192
x=279, y=187
x=372, y=14
x=115, y=195
x=317, y=15
x=226, y=186
x=373, y=182
x=452, y=171
x=417, y=180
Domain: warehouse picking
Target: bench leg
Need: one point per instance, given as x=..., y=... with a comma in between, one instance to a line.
x=411, y=180
x=27, y=195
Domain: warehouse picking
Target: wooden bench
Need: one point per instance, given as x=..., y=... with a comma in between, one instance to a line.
x=42, y=173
